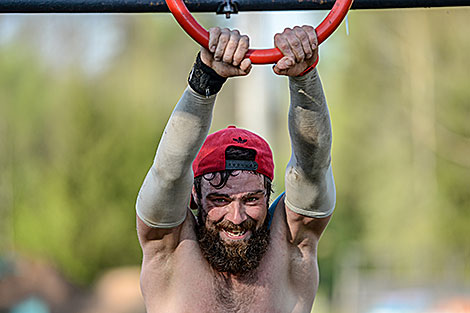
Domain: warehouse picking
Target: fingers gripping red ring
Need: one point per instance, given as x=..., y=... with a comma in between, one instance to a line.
x=257, y=56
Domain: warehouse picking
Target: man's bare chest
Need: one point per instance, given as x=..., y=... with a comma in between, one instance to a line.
x=265, y=291
x=194, y=287
x=285, y=281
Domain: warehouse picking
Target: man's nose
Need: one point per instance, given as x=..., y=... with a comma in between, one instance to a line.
x=236, y=213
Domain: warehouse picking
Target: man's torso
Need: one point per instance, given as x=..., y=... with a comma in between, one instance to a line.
x=285, y=281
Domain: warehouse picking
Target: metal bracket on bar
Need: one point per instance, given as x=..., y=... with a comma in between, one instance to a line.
x=227, y=7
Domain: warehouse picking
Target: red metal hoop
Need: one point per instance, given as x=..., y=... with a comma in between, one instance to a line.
x=257, y=56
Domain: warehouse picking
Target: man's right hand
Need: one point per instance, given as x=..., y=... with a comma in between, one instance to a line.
x=226, y=54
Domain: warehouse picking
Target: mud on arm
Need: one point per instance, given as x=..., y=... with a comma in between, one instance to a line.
x=164, y=196
x=310, y=189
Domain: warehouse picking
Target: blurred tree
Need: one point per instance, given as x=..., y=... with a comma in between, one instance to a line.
x=75, y=148
x=400, y=104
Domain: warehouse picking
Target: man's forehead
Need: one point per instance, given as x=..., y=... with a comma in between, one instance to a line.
x=239, y=182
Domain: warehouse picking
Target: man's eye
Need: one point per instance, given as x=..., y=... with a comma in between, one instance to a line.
x=252, y=199
x=220, y=201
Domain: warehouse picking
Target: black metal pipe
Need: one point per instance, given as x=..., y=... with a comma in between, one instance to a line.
x=148, y=6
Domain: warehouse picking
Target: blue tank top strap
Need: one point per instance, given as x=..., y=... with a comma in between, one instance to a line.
x=272, y=208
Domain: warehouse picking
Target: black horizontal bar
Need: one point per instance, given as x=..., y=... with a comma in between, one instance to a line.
x=148, y=6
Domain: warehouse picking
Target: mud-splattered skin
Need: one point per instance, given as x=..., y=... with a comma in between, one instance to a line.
x=176, y=277
x=181, y=280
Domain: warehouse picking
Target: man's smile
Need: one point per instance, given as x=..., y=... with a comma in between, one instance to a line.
x=235, y=234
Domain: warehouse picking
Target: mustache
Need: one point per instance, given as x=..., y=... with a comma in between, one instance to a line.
x=246, y=225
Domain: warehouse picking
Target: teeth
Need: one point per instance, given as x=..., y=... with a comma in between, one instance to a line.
x=236, y=233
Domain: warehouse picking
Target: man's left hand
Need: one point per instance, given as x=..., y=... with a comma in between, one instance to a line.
x=299, y=47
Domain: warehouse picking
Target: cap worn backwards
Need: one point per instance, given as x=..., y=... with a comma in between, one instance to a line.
x=211, y=157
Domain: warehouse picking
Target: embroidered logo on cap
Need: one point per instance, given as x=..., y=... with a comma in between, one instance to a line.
x=241, y=165
x=240, y=140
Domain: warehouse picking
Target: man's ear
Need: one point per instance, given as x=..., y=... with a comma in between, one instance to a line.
x=193, y=204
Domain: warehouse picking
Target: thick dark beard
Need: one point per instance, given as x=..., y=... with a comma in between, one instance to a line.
x=238, y=258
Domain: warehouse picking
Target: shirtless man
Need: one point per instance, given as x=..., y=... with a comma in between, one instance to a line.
x=236, y=255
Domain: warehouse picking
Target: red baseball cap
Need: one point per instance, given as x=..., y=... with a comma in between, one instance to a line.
x=211, y=157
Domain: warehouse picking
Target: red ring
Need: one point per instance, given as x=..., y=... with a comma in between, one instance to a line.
x=257, y=56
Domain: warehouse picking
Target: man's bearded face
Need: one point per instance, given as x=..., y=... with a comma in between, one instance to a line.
x=232, y=227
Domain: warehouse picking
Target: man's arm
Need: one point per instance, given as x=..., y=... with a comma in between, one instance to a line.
x=310, y=191
x=164, y=196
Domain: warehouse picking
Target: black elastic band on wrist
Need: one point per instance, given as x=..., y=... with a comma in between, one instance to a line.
x=204, y=80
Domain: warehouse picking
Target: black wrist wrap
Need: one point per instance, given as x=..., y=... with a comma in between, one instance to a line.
x=204, y=80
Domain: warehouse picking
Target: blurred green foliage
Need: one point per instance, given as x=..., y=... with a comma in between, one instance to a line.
x=400, y=105
x=75, y=148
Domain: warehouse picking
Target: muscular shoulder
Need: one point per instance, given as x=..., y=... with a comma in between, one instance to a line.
x=295, y=263
x=171, y=279
x=301, y=231
x=297, y=236
x=160, y=243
